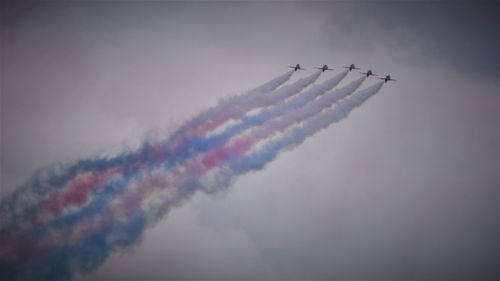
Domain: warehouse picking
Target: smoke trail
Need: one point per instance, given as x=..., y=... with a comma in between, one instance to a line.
x=234, y=108
x=269, y=113
x=115, y=188
x=180, y=188
x=258, y=160
x=188, y=182
x=81, y=186
x=77, y=195
x=27, y=198
x=220, y=153
x=88, y=254
x=203, y=144
x=270, y=127
x=213, y=112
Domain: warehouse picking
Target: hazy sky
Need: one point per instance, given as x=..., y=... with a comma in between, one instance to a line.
x=407, y=187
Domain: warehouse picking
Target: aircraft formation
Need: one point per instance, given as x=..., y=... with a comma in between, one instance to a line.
x=350, y=68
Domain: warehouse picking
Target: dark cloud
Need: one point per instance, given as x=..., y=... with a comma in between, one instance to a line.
x=461, y=34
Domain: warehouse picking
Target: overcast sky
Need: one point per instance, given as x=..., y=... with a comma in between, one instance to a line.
x=407, y=187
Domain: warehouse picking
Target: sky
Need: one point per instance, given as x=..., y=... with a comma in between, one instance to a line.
x=407, y=187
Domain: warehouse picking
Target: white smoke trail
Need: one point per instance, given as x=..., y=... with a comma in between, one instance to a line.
x=292, y=117
x=206, y=143
x=257, y=160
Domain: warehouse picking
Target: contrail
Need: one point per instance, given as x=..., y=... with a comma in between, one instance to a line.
x=157, y=188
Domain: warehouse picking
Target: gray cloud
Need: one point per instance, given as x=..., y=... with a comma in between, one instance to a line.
x=405, y=188
x=461, y=34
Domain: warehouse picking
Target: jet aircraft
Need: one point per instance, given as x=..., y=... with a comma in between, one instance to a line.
x=387, y=78
x=296, y=67
x=368, y=73
x=351, y=67
x=324, y=68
